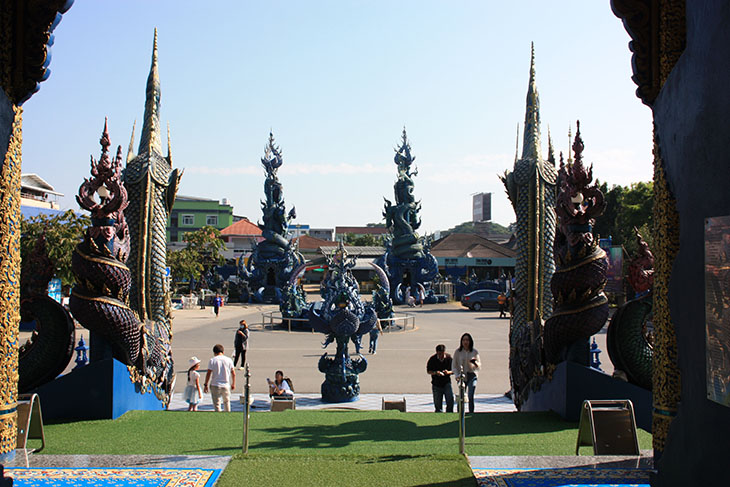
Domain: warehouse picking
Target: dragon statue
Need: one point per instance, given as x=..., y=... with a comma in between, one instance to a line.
x=407, y=261
x=629, y=338
x=50, y=348
x=274, y=259
x=531, y=188
x=581, y=307
x=342, y=316
x=152, y=184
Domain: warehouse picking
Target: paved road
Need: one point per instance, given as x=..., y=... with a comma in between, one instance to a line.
x=398, y=367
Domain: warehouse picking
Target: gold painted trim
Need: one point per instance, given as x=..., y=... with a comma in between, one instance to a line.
x=112, y=301
x=600, y=302
x=582, y=263
x=100, y=260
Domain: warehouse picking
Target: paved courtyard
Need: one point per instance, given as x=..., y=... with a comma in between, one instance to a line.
x=399, y=367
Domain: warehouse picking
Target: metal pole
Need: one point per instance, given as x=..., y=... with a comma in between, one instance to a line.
x=462, y=416
x=246, y=408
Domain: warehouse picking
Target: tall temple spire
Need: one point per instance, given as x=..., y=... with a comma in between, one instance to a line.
x=551, y=151
x=531, y=142
x=570, y=144
x=130, y=150
x=517, y=143
x=150, y=140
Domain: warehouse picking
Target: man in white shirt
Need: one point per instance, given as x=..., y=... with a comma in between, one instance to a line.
x=221, y=378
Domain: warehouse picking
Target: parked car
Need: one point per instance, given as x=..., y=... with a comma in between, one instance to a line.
x=481, y=299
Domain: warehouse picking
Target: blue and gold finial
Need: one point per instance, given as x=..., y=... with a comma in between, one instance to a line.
x=531, y=142
x=150, y=140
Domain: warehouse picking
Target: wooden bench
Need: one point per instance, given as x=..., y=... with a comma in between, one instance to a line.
x=282, y=404
x=395, y=405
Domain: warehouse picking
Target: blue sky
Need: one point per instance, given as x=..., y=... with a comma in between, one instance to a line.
x=337, y=81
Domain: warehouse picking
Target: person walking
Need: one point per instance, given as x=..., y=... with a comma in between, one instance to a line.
x=221, y=378
x=374, y=334
x=466, y=358
x=217, y=301
x=240, y=343
x=439, y=368
x=502, y=301
x=193, y=394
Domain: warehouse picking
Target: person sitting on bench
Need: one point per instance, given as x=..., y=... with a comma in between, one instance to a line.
x=281, y=387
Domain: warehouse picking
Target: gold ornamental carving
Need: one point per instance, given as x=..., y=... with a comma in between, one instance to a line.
x=10, y=282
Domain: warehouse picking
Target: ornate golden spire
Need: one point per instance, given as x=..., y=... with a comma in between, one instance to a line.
x=531, y=142
x=150, y=140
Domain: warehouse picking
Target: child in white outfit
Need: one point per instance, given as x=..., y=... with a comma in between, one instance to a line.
x=193, y=394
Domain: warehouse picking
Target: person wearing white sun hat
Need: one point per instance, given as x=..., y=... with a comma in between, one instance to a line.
x=193, y=394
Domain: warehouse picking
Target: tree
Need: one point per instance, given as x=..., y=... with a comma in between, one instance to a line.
x=184, y=264
x=486, y=229
x=626, y=207
x=207, y=244
x=62, y=233
x=363, y=240
x=203, y=251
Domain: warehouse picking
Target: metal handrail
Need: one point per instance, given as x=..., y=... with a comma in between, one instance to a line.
x=270, y=316
x=275, y=315
x=406, y=317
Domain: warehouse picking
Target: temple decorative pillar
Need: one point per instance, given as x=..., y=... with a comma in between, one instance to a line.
x=24, y=54
x=10, y=283
x=658, y=32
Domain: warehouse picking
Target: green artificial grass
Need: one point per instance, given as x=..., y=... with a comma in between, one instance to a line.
x=351, y=470
x=317, y=433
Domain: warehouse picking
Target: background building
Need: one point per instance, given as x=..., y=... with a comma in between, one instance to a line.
x=190, y=213
x=298, y=229
x=37, y=196
x=322, y=233
x=458, y=254
x=240, y=238
x=481, y=207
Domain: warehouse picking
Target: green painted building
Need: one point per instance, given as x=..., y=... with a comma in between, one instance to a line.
x=189, y=214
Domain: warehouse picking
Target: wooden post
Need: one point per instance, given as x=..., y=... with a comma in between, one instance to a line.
x=246, y=408
x=462, y=415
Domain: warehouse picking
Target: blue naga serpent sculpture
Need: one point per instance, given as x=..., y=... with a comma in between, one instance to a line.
x=407, y=261
x=342, y=316
x=273, y=260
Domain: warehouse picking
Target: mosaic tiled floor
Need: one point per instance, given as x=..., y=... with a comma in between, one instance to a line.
x=117, y=477
x=562, y=477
